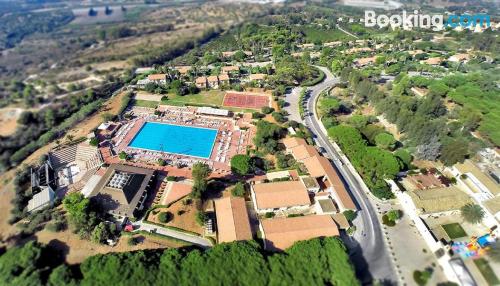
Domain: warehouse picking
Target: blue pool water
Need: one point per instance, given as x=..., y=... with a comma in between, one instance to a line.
x=185, y=140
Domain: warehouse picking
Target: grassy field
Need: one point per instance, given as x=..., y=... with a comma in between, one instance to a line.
x=146, y=103
x=211, y=97
x=314, y=34
x=488, y=273
x=454, y=230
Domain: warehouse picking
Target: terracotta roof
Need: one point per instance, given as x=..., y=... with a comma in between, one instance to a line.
x=341, y=220
x=459, y=57
x=176, y=191
x=365, y=61
x=157, y=76
x=230, y=68
x=201, y=79
x=212, y=78
x=281, y=194
x=291, y=142
x=281, y=233
x=183, y=69
x=432, y=61
x=223, y=77
x=319, y=166
x=302, y=152
x=232, y=219
x=422, y=181
x=257, y=76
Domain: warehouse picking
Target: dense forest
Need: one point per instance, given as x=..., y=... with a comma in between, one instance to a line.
x=313, y=262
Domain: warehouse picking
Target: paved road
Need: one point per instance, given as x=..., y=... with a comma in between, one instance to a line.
x=200, y=241
x=367, y=246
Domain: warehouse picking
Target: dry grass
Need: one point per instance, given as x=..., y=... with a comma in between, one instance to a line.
x=77, y=249
x=184, y=221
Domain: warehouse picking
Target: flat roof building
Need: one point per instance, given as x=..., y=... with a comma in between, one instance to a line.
x=281, y=233
x=232, y=219
x=123, y=189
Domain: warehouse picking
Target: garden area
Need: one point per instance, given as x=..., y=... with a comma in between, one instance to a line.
x=454, y=230
x=180, y=215
x=487, y=272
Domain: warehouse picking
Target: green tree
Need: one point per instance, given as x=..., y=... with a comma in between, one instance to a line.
x=123, y=155
x=472, y=213
x=394, y=215
x=241, y=164
x=238, y=190
x=61, y=276
x=100, y=233
x=385, y=141
x=200, y=173
x=350, y=215
x=165, y=217
x=454, y=151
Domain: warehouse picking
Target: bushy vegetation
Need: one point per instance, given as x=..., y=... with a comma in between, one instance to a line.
x=242, y=263
x=374, y=164
x=267, y=136
x=37, y=129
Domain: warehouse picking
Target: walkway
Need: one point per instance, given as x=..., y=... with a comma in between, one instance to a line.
x=196, y=240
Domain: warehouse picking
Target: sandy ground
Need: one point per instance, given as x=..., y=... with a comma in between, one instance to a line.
x=82, y=129
x=76, y=250
x=104, y=66
x=8, y=120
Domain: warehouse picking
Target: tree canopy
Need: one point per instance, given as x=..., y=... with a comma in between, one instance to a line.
x=237, y=263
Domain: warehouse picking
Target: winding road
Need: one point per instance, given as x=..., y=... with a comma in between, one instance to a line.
x=368, y=249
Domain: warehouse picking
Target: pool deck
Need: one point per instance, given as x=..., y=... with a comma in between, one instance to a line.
x=230, y=140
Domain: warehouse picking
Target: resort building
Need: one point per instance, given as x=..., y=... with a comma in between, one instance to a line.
x=159, y=78
x=224, y=79
x=212, y=82
x=257, y=77
x=364, y=61
x=432, y=61
x=123, y=189
x=183, y=70
x=45, y=198
x=281, y=233
x=320, y=168
x=332, y=44
x=440, y=200
x=303, y=151
x=233, y=223
x=201, y=82
x=230, y=70
x=459, y=58
x=287, y=196
x=292, y=142
x=43, y=176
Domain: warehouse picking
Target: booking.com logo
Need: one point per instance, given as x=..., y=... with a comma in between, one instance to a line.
x=424, y=21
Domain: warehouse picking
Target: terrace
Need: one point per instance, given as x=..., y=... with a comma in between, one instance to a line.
x=229, y=141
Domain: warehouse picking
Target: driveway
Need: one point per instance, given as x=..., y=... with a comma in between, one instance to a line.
x=196, y=240
x=292, y=106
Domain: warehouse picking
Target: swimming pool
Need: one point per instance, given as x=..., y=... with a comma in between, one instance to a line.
x=177, y=139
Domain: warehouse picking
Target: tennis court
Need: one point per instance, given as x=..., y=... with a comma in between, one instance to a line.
x=246, y=100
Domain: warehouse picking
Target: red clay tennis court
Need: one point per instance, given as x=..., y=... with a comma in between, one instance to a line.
x=246, y=100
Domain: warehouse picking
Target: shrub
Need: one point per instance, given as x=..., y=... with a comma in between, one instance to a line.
x=165, y=217
x=132, y=241
x=200, y=218
x=94, y=141
x=393, y=215
x=350, y=215
x=238, y=190
x=171, y=178
x=269, y=215
x=267, y=109
x=162, y=162
x=387, y=221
